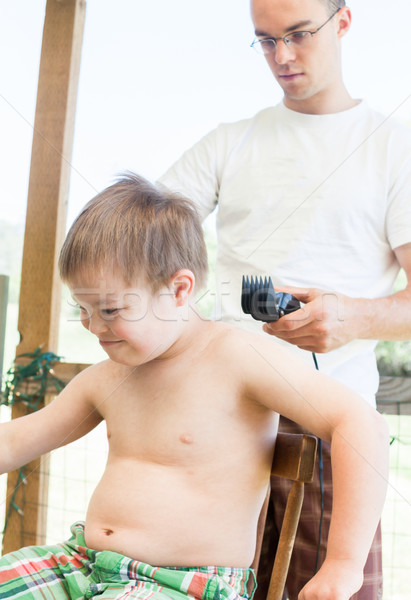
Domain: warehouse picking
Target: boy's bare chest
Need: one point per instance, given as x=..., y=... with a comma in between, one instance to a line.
x=174, y=420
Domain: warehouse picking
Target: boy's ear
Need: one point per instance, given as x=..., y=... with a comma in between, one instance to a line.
x=182, y=284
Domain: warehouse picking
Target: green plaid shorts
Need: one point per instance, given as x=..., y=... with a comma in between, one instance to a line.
x=71, y=570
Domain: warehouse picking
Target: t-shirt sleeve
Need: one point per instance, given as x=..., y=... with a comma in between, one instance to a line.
x=196, y=174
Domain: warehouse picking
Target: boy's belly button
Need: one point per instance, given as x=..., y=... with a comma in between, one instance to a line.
x=186, y=438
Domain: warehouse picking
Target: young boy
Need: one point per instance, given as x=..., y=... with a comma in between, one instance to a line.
x=191, y=408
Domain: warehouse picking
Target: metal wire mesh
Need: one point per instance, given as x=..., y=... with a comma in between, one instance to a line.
x=396, y=520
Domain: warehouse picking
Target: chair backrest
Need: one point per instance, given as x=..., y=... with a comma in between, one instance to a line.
x=294, y=459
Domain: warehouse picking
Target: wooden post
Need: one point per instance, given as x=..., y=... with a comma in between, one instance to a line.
x=40, y=290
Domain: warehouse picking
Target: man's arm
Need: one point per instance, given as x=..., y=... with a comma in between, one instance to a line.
x=329, y=320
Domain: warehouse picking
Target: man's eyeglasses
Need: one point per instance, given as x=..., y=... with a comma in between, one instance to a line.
x=296, y=39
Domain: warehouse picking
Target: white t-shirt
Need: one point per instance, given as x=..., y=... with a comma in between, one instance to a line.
x=312, y=200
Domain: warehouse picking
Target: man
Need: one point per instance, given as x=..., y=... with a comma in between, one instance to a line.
x=316, y=193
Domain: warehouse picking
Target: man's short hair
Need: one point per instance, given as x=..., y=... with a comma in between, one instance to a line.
x=141, y=231
x=334, y=5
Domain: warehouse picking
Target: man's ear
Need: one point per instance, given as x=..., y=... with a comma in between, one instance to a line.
x=182, y=285
x=344, y=21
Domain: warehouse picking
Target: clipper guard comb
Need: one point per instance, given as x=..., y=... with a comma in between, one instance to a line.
x=259, y=299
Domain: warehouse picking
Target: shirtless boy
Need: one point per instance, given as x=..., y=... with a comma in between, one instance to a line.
x=191, y=408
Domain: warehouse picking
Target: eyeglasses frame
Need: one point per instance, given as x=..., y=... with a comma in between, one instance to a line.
x=285, y=38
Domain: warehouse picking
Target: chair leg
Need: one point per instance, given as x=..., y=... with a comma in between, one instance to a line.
x=286, y=541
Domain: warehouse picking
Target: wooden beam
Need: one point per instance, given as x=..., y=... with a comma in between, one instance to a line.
x=66, y=371
x=40, y=291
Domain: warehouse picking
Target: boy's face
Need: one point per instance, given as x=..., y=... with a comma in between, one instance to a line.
x=133, y=324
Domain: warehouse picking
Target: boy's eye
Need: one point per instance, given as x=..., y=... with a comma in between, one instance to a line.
x=108, y=312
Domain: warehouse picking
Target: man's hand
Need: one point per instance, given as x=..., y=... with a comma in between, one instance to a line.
x=336, y=580
x=325, y=322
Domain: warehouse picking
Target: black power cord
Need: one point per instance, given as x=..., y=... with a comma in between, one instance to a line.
x=260, y=300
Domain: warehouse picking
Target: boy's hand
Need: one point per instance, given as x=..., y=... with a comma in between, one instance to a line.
x=336, y=580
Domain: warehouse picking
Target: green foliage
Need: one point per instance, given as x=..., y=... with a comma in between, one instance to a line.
x=394, y=358
x=39, y=371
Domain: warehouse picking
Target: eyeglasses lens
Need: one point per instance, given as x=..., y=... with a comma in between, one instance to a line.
x=294, y=40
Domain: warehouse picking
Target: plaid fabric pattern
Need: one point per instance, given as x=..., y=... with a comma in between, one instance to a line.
x=303, y=559
x=71, y=570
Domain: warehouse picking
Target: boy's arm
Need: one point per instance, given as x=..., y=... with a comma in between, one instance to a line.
x=68, y=417
x=359, y=454
x=359, y=458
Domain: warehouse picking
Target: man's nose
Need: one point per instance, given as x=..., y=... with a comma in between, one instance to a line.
x=283, y=53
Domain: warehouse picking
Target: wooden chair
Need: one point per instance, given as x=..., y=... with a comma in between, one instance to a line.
x=294, y=459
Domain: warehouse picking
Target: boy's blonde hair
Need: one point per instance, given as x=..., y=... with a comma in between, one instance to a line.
x=140, y=231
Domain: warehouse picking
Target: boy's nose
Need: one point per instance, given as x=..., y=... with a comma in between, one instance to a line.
x=96, y=324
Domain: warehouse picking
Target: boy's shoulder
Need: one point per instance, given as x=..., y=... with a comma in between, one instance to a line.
x=101, y=376
x=105, y=367
x=240, y=342
x=224, y=334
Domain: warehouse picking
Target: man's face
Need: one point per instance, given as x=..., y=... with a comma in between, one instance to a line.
x=309, y=75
